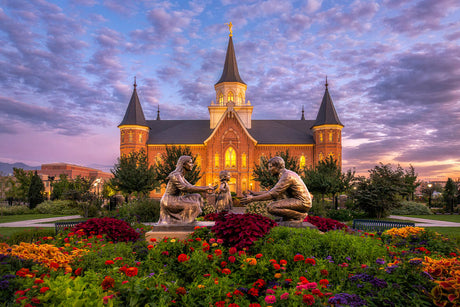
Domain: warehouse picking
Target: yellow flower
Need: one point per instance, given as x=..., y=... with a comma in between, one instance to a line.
x=214, y=244
x=173, y=241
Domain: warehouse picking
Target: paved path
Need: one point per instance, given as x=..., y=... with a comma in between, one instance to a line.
x=425, y=222
x=39, y=222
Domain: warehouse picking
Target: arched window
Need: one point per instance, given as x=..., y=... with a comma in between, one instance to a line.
x=302, y=162
x=243, y=160
x=321, y=137
x=216, y=160
x=230, y=158
x=330, y=137
x=320, y=156
x=221, y=99
x=230, y=96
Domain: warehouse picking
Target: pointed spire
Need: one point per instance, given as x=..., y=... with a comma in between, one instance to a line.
x=158, y=113
x=327, y=114
x=134, y=114
x=303, y=116
x=230, y=72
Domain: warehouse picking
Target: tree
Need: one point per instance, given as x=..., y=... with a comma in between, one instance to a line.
x=410, y=183
x=449, y=194
x=133, y=174
x=266, y=179
x=379, y=193
x=20, y=189
x=36, y=190
x=169, y=161
x=60, y=187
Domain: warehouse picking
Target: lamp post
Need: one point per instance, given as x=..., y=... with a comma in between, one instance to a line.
x=429, y=196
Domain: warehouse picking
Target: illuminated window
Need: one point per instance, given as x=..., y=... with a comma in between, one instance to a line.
x=230, y=96
x=321, y=156
x=221, y=99
x=302, y=162
x=320, y=137
x=216, y=160
x=158, y=158
x=140, y=137
x=243, y=160
x=198, y=160
x=330, y=137
x=244, y=185
x=130, y=137
x=230, y=158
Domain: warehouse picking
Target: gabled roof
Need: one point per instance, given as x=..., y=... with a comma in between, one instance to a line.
x=327, y=114
x=197, y=131
x=134, y=114
x=230, y=72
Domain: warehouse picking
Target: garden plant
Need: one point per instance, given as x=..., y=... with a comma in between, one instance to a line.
x=276, y=266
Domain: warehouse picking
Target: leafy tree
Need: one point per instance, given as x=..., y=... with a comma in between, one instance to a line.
x=449, y=194
x=410, y=183
x=266, y=179
x=36, y=190
x=20, y=188
x=379, y=193
x=133, y=174
x=169, y=161
x=60, y=187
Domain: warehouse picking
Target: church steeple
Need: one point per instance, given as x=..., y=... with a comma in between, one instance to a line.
x=158, y=113
x=134, y=114
x=327, y=114
x=303, y=115
x=230, y=72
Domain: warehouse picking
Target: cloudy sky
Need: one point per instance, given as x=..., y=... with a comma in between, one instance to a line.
x=393, y=66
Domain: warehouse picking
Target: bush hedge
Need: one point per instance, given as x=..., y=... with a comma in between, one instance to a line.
x=411, y=208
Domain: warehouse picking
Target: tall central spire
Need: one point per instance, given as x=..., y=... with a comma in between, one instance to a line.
x=230, y=73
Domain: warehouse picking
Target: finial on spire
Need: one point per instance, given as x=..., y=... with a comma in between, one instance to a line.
x=158, y=113
x=326, y=82
x=230, y=26
x=135, y=82
x=303, y=116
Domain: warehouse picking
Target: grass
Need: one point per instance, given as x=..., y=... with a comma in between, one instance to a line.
x=446, y=218
x=8, y=231
x=25, y=217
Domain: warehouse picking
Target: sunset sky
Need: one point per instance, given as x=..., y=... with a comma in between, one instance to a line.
x=393, y=67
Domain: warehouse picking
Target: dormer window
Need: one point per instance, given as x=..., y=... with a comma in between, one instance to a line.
x=229, y=96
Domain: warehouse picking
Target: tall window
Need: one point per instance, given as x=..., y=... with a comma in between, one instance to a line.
x=198, y=160
x=330, y=137
x=216, y=160
x=243, y=160
x=321, y=137
x=321, y=156
x=130, y=137
x=230, y=158
x=302, y=162
x=230, y=96
x=221, y=99
x=140, y=137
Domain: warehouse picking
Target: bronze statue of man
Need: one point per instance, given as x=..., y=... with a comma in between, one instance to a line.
x=292, y=201
x=176, y=206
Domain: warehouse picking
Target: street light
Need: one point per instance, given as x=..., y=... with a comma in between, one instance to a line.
x=429, y=196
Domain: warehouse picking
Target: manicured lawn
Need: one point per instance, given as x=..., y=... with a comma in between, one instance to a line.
x=446, y=218
x=8, y=231
x=25, y=217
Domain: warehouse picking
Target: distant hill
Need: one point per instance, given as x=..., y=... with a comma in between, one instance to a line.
x=7, y=168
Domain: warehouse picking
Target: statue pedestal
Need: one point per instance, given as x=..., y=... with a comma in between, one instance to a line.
x=178, y=231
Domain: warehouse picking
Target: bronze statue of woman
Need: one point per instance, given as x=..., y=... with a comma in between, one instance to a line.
x=177, y=205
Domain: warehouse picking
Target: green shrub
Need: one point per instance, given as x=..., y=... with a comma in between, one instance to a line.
x=30, y=235
x=258, y=207
x=208, y=209
x=411, y=208
x=89, y=208
x=15, y=210
x=345, y=215
x=64, y=207
x=138, y=210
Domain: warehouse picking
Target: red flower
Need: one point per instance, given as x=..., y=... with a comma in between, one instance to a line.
x=118, y=258
x=308, y=299
x=20, y=292
x=35, y=300
x=232, y=259
x=253, y=292
x=311, y=261
x=241, y=253
x=78, y=271
x=283, y=262
x=220, y=304
x=276, y=266
x=232, y=250
x=44, y=289
x=153, y=240
x=205, y=247
x=259, y=283
x=183, y=258
x=218, y=252
x=223, y=264
x=233, y=305
x=206, y=275
x=38, y=281
x=108, y=283
x=131, y=271
x=259, y=256
x=299, y=258
x=210, y=257
x=324, y=282
x=181, y=291
x=109, y=262
x=254, y=305
x=324, y=272
x=226, y=271
x=165, y=253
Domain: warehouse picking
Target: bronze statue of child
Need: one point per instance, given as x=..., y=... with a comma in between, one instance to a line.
x=224, y=198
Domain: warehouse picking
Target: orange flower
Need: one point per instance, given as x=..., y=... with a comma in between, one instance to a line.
x=251, y=261
x=131, y=271
x=226, y=271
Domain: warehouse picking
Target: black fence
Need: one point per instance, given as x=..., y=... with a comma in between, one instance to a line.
x=60, y=226
x=374, y=225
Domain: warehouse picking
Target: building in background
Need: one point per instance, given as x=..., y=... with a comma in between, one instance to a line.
x=230, y=139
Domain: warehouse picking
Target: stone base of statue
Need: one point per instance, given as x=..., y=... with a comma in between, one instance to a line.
x=178, y=230
x=297, y=224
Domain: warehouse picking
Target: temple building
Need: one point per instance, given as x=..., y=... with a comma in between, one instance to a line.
x=230, y=139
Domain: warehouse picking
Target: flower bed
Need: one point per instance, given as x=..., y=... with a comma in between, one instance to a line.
x=286, y=267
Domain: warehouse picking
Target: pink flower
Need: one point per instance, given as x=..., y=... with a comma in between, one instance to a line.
x=270, y=299
x=270, y=291
x=284, y=296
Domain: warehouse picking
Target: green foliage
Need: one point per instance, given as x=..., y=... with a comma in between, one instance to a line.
x=78, y=189
x=410, y=183
x=342, y=215
x=36, y=190
x=380, y=193
x=30, y=235
x=449, y=194
x=411, y=208
x=20, y=186
x=15, y=210
x=257, y=207
x=208, y=209
x=262, y=174
x=133, y=174
x=64, y=207
x=169, y=161
x=138, y=210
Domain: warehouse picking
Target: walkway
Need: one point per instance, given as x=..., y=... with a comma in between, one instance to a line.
x=39, y=222
x=425, y=222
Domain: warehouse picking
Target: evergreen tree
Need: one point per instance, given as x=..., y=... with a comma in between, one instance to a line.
x=449, y=194
x=36, y=190
x=20, y=189
x=169, y=161
x=133, y=174
x=262, y=174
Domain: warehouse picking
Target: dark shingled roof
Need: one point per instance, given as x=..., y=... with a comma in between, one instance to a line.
x=134, y=114
x=327, y=114
x=197, y=131
x=230, y=73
